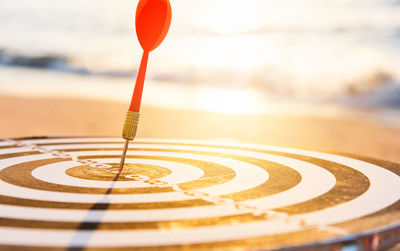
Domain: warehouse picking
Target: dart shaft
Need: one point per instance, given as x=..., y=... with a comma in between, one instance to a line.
x=137, y=93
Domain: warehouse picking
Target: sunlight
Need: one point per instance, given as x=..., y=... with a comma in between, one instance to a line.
x=239, y=52
x=229, y=101
x=230, y=16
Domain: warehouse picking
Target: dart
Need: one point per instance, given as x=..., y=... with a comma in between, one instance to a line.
x=153, y=19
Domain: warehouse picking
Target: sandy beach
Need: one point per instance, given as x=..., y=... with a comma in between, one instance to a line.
x=23, y=117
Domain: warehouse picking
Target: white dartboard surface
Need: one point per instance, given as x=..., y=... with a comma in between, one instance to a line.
x=60, y=193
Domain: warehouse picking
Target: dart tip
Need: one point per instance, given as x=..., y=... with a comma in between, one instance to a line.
x=121, y=165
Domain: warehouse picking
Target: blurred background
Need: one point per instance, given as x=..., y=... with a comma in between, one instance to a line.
x=307, y=73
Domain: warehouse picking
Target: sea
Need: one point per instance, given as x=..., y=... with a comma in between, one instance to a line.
x=254, y=56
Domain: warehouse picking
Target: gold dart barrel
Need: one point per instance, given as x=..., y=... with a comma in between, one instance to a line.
x=128, y=133
x=130, y=126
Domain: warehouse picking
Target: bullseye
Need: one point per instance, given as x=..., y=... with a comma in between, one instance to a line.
x=55, y=173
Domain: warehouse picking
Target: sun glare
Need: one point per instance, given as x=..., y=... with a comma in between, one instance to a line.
x=230, y=16
x=229, y=101
x=240, y=52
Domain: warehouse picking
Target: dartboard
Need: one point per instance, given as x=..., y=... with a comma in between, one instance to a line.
x=189, y=194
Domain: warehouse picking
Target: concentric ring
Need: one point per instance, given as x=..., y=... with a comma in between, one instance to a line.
x=211, y=194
